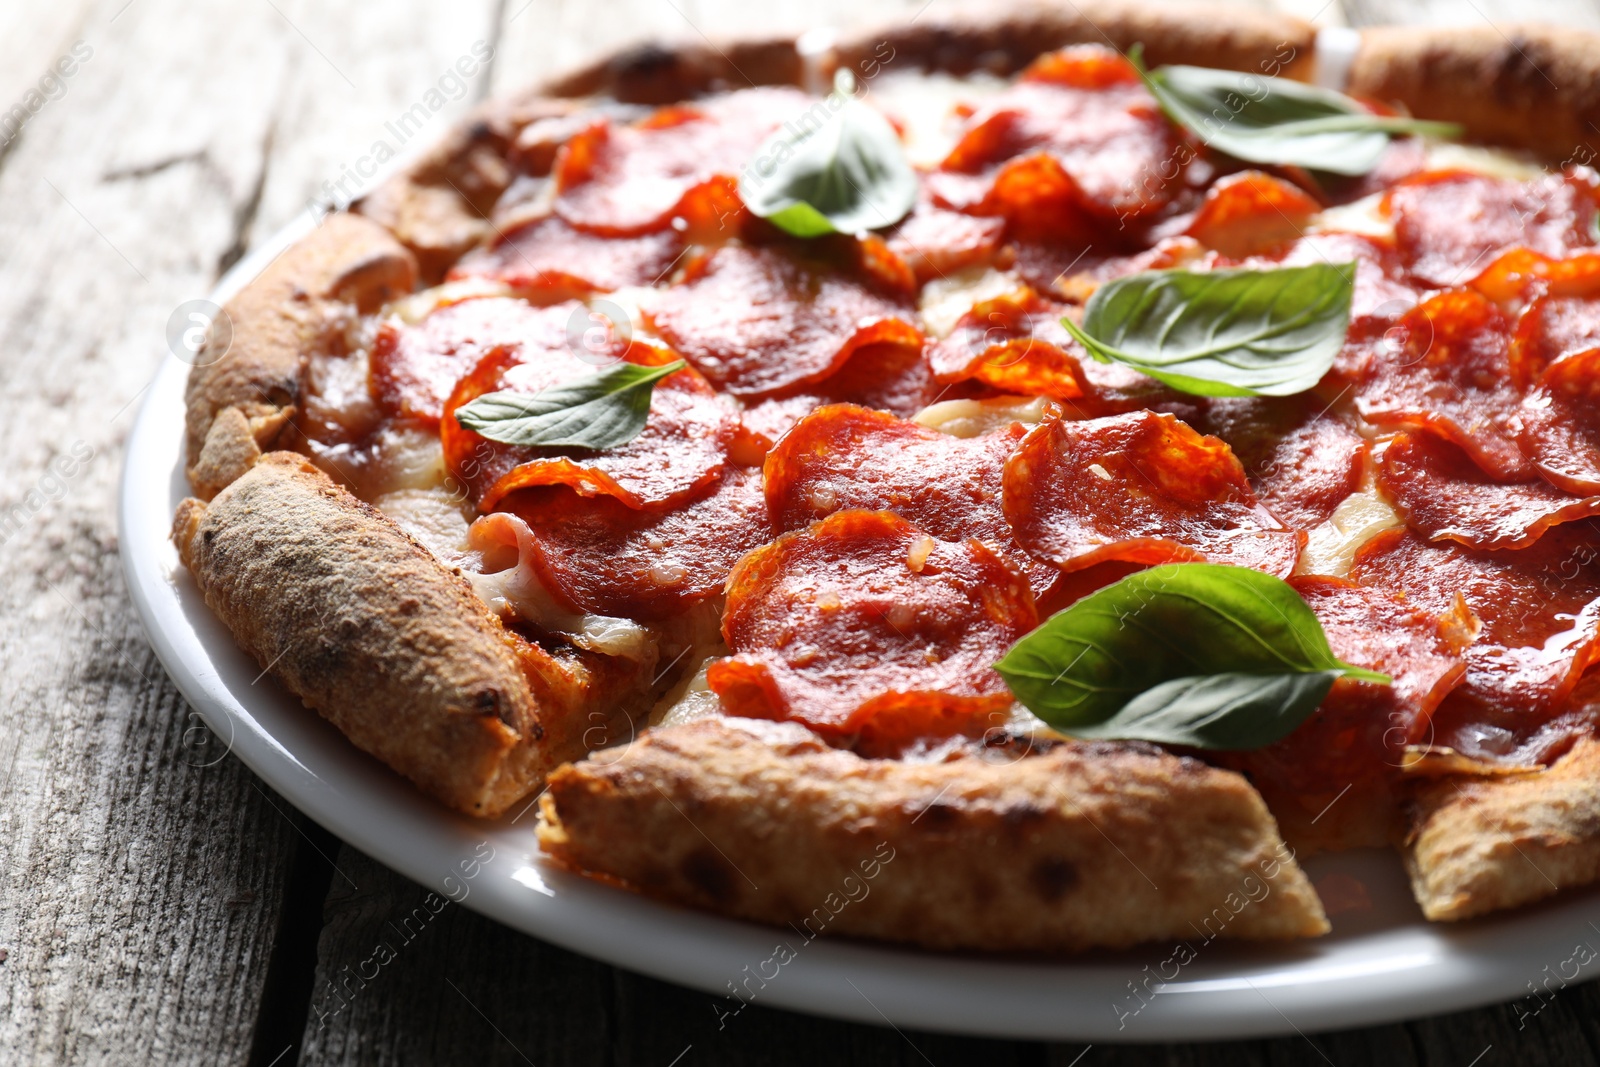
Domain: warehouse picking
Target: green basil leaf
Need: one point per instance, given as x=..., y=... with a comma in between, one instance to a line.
x=1095, y=668
x=839, y=168
x=1277, y=121
x=1228, y=711
x=601, y=411
x=1223, y=332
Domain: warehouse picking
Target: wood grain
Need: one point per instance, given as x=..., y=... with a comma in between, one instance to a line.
x=139, y=894
x=157, y=903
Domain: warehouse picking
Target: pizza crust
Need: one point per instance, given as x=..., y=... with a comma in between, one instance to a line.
x=239, y=402
x=978, y=37
x=1480, y=845
x=1075, y=847
x=1522, y=86
x=366, y=627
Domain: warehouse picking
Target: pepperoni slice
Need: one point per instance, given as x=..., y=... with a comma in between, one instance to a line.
x=1035, y=196
x=756, y=321
x=1561, y=423
x=1549, y=329
x=1483, y=730
x=1539, y=608
x=934, y=242
x=1419, y=650
x=1140, y=487
x=1450, y=373
x=1251, y=213
x=864, y=624
x=680, y=451
x=892, y=378
x=1444, y=496
x=844, y=457
x=1086, y=111
x=1522, y=272
x=1015, y=343
x=414, y=367
x=1450, y=225
x=1360, y=732
x=630, y=179
x=1302, y=459
x=549, y=256
x=601, y=556
x=1069, y=270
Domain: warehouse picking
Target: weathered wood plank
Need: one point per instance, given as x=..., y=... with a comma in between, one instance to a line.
x=404, y=976
x=139, y=894
x=32, y=39
x=357, y=68
x=143, y=876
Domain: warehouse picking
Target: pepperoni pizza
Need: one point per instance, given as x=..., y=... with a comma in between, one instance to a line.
x=1074, y=465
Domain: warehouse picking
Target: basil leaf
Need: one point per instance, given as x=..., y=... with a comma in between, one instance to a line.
x=1110, y=665
x=1278, y=121
x=1223, y=332
x=1229, y=711
x=603, y=410
x=839, y=168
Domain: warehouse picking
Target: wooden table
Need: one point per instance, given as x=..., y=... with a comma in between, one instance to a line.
x=157, y=902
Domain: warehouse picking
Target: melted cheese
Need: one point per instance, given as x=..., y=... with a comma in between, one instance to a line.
x=406, y=459
x=1365, y=216
x=435, y=517
x=973, y=418
x=412, y=309
x=690, y=699
x=513, y=588
x=925, y=102
x=697, y=636
x=944, y=300
x=1332, y=546
x=339, y=403
x=1493, y=162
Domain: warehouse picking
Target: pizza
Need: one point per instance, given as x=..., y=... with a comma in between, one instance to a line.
x=1010, y=482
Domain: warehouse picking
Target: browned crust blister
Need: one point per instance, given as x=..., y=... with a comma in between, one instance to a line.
x=1078, y=846
x=1070, y=847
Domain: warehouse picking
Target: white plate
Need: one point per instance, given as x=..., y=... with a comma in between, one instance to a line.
x=1382, y=963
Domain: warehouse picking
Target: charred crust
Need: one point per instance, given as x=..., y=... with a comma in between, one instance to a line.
x=710, y=876
x=1053, y=878
x=655, y=74
x=936, y=817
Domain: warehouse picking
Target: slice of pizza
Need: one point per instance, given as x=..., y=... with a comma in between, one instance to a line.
x=1012, y=501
